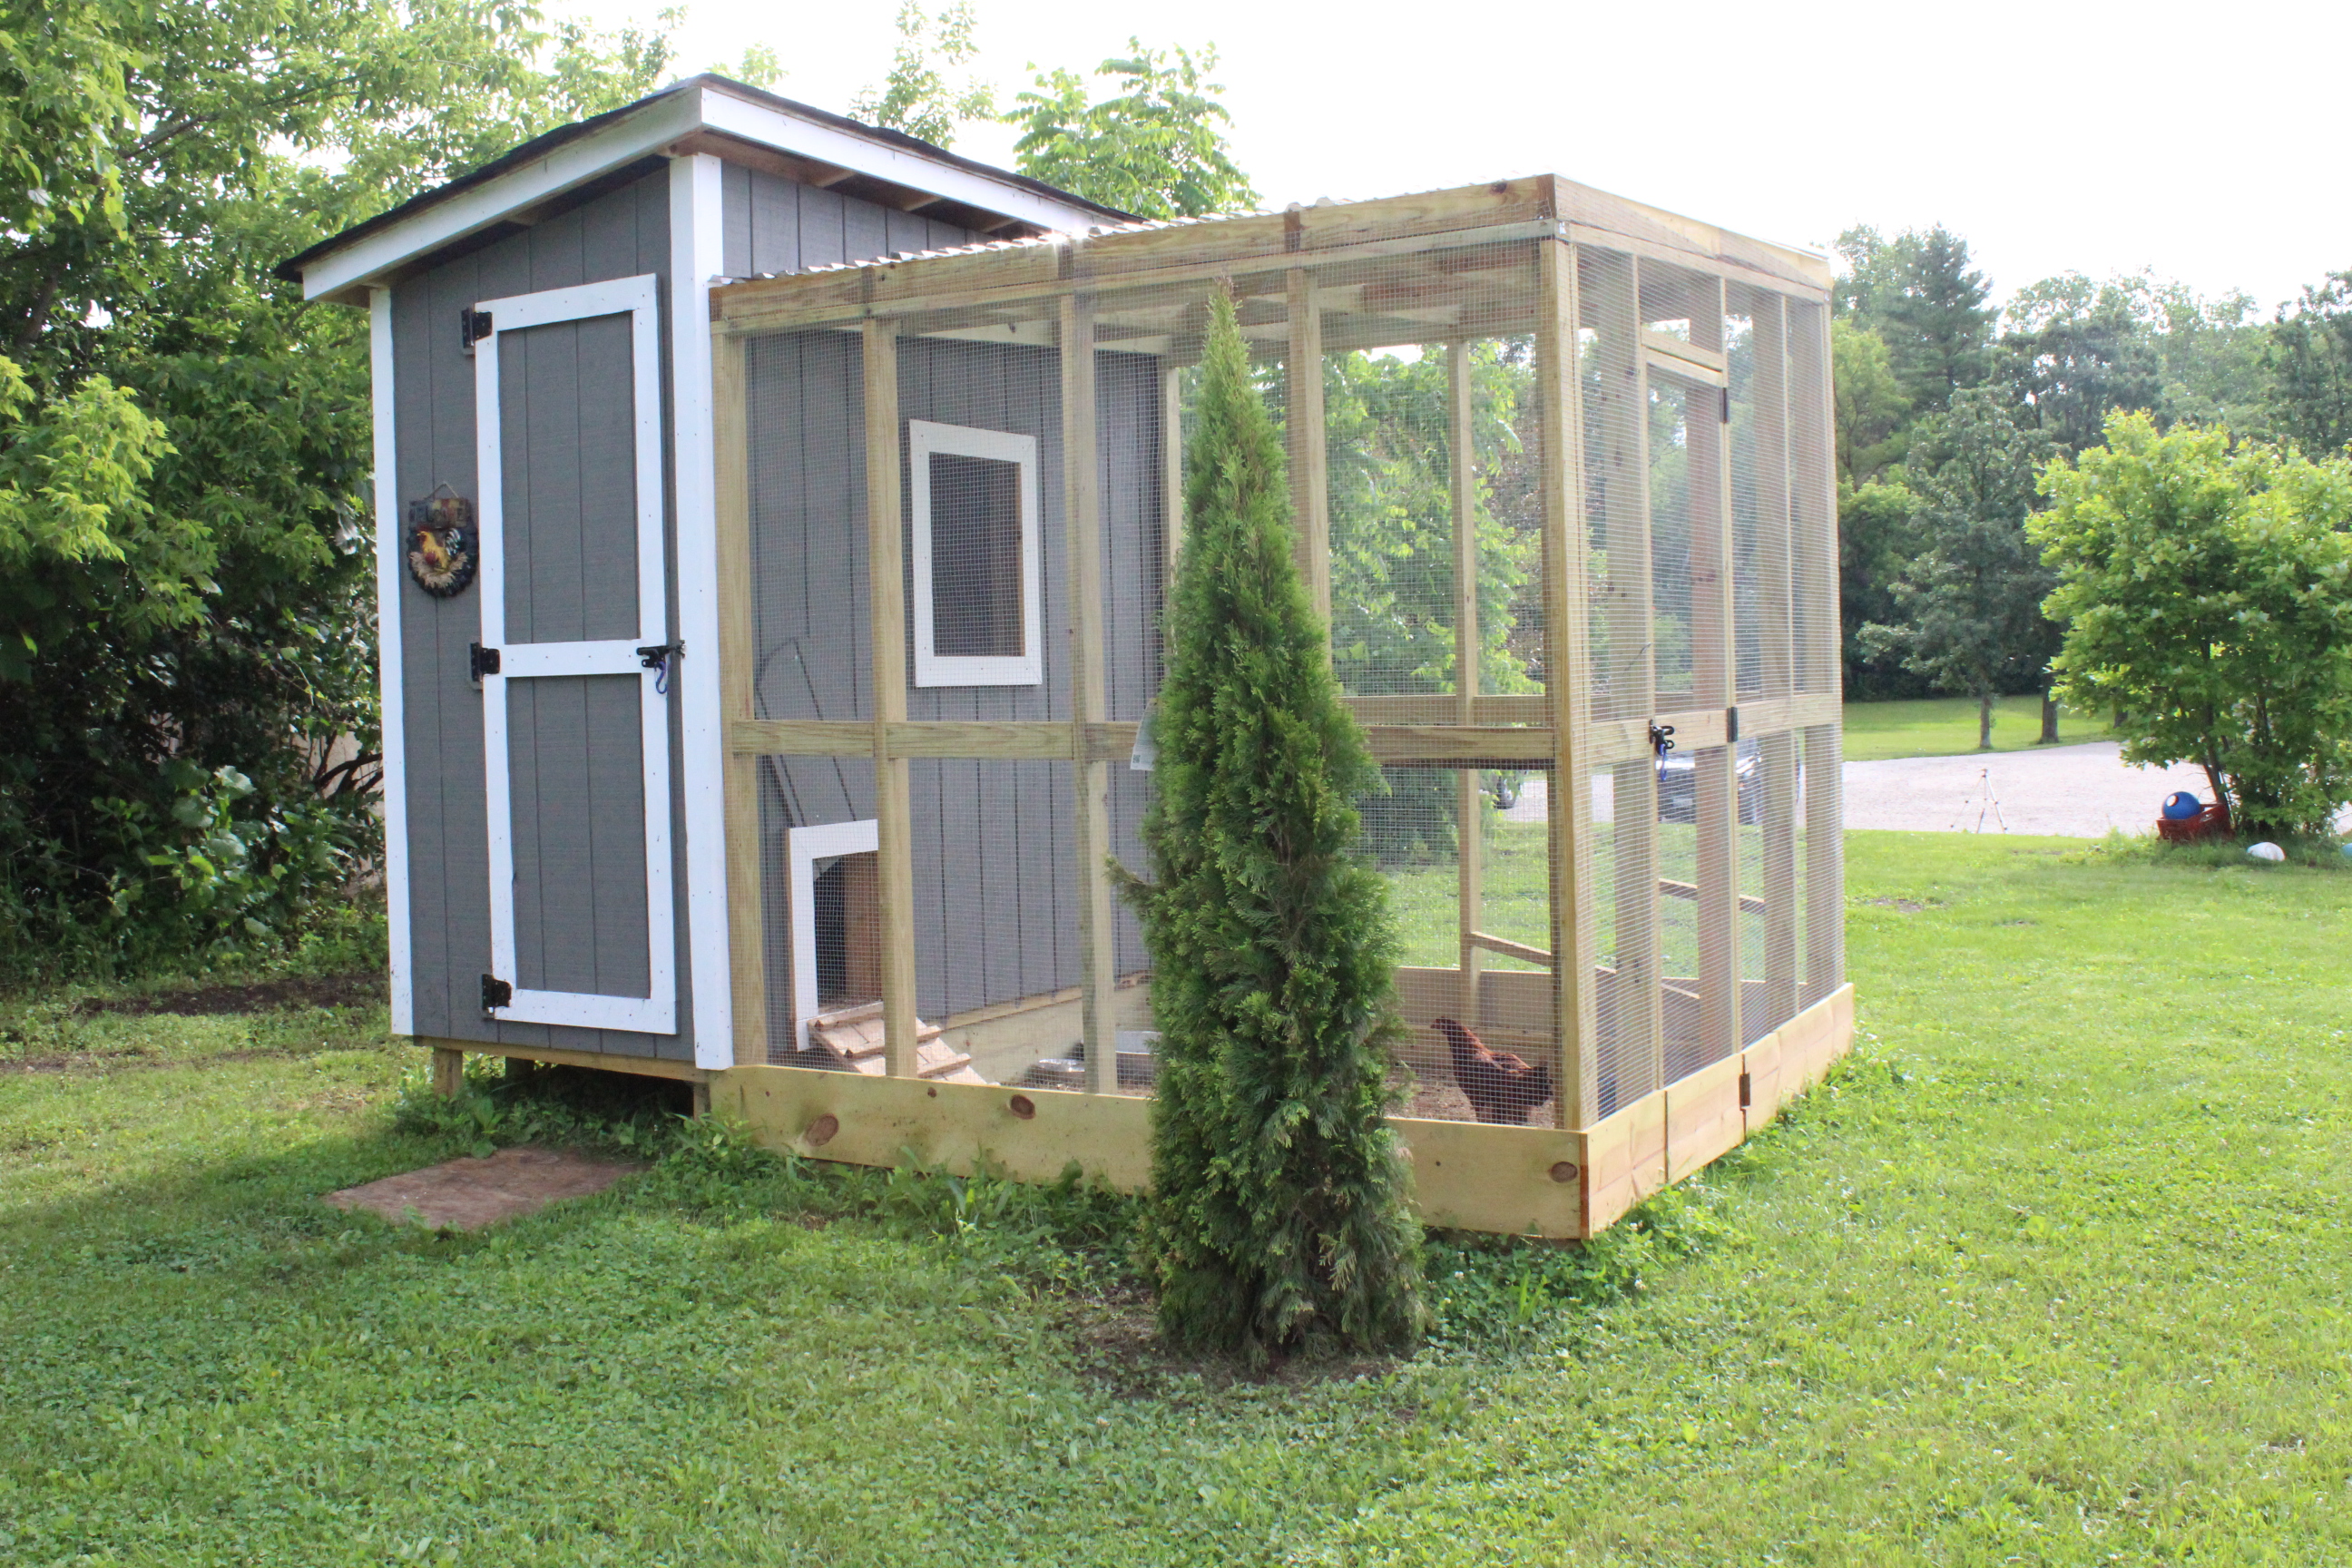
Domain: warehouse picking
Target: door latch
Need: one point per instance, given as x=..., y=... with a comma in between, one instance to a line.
x=481, y=661
x=657, y=657
x=1661, y=740
x=496, y=993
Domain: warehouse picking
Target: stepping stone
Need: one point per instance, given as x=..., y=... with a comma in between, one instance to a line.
x=467, y=1193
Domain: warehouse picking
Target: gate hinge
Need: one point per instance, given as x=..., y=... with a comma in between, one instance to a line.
x=481, y=661
x=473, y=326
x=496, y=993
x=1731, y=725
x=1726, y=400
x=1746, y=1089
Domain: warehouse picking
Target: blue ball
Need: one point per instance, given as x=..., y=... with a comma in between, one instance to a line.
x=2180, y=805
x=2348, y=850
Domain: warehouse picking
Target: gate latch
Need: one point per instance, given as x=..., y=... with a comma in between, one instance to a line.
x=657, y=655
x=481, y=661
x=1661, y=740
x=496, y=993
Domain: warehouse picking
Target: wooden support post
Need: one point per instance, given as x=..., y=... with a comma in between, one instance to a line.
x=1774, y=597
x=1568, y=682
x=448, y=1072
x=746, y=935
x=1082, y=510
x=1813, y=533
x=886, y=598
x=1171, y=471
x=1310, y=478
x=1469, y=808
x=1611, y=287
x=1715, y=676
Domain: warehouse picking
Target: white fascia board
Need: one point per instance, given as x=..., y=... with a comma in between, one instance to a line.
x=791, y=132
x=470, y=211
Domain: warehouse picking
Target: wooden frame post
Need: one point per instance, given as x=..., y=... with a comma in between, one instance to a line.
x=448, y=1072
x=745, y=933
x=1638, y=999
x=1082, y=509
x=1813, y=532
x=1469, y=816
x=1310, y=458
x=1715, y=682
x=887, y=600
x=1568, y=682
x=1171, y=473
x=1775, y=596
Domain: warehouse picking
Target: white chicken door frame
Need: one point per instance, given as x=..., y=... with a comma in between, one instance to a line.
x=648, y=655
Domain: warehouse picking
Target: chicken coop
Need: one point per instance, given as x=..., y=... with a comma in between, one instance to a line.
x=1560, y=477
x=775, y=519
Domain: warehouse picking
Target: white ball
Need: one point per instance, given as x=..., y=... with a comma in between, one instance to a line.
x=2270, y=853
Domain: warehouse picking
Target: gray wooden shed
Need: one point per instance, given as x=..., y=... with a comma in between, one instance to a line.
x=555, y=856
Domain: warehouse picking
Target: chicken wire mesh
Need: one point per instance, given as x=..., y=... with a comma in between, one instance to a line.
x=1414, y=435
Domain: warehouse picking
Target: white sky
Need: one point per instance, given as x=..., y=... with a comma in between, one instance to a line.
x=2051, y=134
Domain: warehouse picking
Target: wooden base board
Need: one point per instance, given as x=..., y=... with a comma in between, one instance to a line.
x=604, y=1061
x=1521, y=1181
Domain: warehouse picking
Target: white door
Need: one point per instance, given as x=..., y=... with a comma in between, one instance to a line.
x=575, y=657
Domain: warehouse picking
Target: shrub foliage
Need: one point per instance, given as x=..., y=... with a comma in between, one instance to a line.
x=1280, y=1208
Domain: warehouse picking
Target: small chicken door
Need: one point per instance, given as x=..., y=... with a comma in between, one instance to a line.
x=574, y=658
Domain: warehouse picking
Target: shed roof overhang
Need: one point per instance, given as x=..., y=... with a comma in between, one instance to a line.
x=702, y=114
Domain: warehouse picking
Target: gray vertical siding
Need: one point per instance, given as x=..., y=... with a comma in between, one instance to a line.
x=775, y=225
x=574, y=744
x=995, y=879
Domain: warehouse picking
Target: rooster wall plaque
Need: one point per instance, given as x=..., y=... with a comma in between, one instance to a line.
x=442, y=548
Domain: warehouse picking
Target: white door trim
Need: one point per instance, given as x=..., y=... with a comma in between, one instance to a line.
x=638, y=299
x=803, y=847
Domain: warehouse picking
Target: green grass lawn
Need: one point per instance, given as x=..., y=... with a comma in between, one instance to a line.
x=2056, y=1272
x=1946, y=727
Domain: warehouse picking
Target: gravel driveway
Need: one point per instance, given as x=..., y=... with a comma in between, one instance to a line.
x=2071, y=792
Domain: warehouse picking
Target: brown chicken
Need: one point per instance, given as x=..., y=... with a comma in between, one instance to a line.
x=1499, y=1085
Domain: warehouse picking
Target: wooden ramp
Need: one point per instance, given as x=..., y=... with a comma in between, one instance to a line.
x=852, y=1039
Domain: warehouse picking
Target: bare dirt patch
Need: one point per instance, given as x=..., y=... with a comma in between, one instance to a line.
x=467, y=1193
x=356, y=988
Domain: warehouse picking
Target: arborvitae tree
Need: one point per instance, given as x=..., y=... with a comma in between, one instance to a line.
x=1279, y=1194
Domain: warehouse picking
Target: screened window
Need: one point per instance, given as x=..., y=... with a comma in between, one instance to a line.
x=976, y=562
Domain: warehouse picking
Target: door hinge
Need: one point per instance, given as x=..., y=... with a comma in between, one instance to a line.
x=496, y=993
x=473, y=326
x=481, y=661
x=1731, y=725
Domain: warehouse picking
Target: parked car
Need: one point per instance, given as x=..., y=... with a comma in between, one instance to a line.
x=1678, y=786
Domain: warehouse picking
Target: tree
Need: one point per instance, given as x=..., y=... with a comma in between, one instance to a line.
x=1279, y=1193
x=2309, y=359
x=1971, y=600
x=1157, y=148
x=2206, y=591
x=1918, y=293
x=1869, y=406
x=2075, y=350
x=186, y=586
x=918, y=97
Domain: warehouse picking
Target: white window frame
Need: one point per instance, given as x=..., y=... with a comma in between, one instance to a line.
x=932, y=668
x=803, y=847
x=638, y=299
